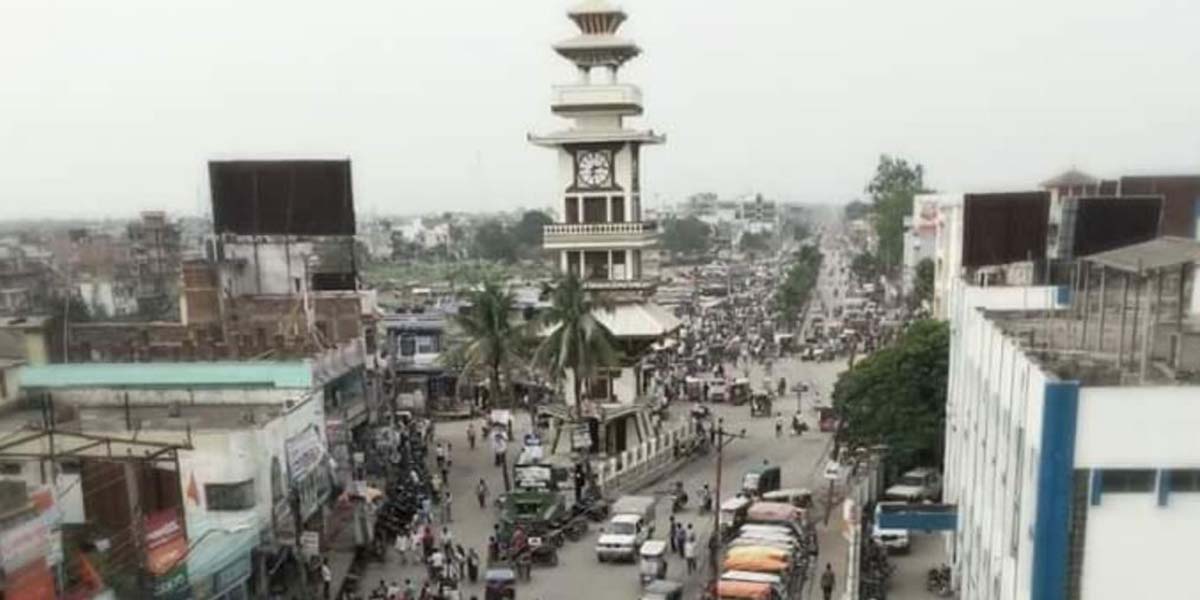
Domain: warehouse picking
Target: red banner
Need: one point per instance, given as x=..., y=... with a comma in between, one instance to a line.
x=166, y=543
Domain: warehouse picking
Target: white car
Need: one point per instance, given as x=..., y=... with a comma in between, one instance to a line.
x=917, y=485
x=621, y=539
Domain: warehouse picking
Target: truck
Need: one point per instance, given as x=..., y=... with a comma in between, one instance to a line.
x=630, y=524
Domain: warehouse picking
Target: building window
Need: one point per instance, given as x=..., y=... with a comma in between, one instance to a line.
x=1183, y=480
x=10, y=468
x=408, y=345
x=595, y=209
x=618, y=209
x=1126, y=481
x=229, y=496
x=572, y=210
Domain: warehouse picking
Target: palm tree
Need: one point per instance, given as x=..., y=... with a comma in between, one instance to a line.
x=578, y=340
x=494, y=341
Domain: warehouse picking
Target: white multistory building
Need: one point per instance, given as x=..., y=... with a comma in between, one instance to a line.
x=602, y=237
x=1071, y=452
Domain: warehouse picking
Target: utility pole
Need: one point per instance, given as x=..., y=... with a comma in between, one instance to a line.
x=717, y=548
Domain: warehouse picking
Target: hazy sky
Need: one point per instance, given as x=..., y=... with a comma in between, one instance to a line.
x=110, y=107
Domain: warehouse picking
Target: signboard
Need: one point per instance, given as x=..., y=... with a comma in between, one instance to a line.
x=174, y=585
x=304, y=452
x=310, y=544
x=538, y=477
x=166, y=544
x=581, y=438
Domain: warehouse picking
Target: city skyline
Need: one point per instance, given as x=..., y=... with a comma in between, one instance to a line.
x=115, y=109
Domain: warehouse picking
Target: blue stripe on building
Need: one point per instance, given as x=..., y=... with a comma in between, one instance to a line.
x=1055, y=476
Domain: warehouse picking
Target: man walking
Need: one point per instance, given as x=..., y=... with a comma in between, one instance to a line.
x=827, y=581
x=481, y=491
x=326, y=577
x=689, y=553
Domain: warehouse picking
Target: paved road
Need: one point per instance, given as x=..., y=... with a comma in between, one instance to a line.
x=579, y=576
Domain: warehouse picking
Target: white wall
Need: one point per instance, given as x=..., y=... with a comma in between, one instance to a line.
x=111, y=397
x=1136, y=549
x=994, y=411
x=1153, y=427
x=271, y=267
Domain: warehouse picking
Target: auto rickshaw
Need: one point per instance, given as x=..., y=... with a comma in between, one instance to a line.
x=739, y=393
x=744, y=590
x=761, y=404
x=694, y=389
x=760, y=480
x=733, y=514
x=827, y=420
x=652, y=561
x=798, y=497
x=500, y=584
x=663, y=589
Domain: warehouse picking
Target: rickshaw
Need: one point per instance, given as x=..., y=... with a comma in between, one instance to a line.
x=756, y=564
x=663, y=589
x=775, y=581
x=652, y=561
x=500, y=584
x=693, y=388
x=733, y=513
x=758, y=553
x=774, y=512
x=827, y=420
x=798, y=497
x=760, y=404
x=760, y=480
x=718, y=390
x=739, y=393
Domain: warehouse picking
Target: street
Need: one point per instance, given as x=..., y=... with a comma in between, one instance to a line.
x=579, y=575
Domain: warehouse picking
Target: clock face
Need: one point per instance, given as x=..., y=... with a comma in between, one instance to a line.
x=593, y=168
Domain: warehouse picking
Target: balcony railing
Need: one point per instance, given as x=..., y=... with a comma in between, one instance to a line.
x=618, y=284
x=629, y=228
x=620, y=95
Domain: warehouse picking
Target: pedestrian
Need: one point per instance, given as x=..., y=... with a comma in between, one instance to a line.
x=410, y=590
x=689, y=553
x=326, y=577
x=827, y=581
x=447, y=501
x=671, y=533
x=481, y=491
x=471, y=434
x=680, y=538
x=401, y=546
x=778, y=425
x=437, y=562
x=447, y=540
x=472, y=566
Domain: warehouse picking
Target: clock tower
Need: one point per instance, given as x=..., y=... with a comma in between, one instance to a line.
x=602, y=237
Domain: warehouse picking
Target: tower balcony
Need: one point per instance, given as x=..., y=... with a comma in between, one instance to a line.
x=635, y=234
x=621, y=98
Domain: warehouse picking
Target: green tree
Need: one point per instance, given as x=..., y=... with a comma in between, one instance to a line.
x=687, y=236
x=493, y=339
x=866, y=267
x=892, y=190
x=577, y=341
x=897, y=397
x=856, y=209
x=494, y=242
x=923, y=282
x=527, y=233
x=796, y=288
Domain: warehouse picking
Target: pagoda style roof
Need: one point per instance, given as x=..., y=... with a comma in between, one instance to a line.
x=597, y=50
x=597, y=16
